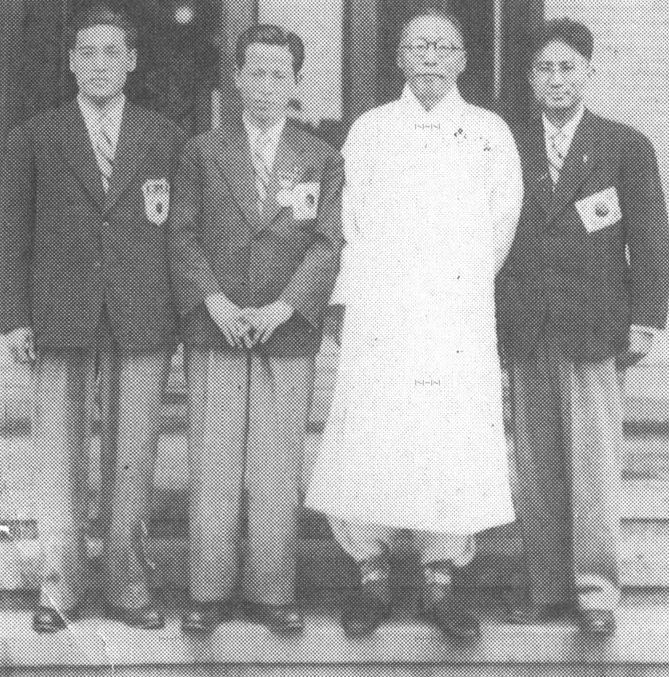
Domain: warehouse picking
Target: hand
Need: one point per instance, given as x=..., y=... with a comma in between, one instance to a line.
x=265, y=320
x=334, y=322
x=228, y=317
x=21, y=344
x=640, y=343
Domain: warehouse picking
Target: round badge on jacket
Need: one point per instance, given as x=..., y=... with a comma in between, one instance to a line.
x=602, y=209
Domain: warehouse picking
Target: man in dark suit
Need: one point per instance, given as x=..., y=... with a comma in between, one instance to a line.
x=84, y=282
x=582, y=293
x=255, y=245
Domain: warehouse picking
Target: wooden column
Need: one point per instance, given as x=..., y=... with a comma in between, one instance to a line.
x=12, y=14
x=519, y=17
x=361, y=57
x=236, y=16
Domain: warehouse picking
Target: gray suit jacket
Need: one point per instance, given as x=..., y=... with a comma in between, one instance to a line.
x=219, y=241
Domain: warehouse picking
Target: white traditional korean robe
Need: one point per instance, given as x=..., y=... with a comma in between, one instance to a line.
x=415, y=437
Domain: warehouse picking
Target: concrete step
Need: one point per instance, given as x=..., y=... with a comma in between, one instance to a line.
x=405, y=645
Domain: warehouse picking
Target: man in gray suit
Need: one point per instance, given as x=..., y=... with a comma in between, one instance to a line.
x=255, y=244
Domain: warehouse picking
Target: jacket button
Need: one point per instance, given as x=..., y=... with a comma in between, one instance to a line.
x=105, y=224
x=97, y=265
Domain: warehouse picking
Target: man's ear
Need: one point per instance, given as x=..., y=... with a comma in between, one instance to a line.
x=236, y=75
x=462, y=58
x=132, y=60
x=71, y=60
x=298, y=78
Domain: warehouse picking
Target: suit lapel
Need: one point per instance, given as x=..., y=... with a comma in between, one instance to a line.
x=78, y=151
x=577, y=165
x=538, y=182
x=288, y=163
x=133, y=143
x=233, y=156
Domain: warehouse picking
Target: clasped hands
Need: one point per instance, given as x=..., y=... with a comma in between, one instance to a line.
x=246, y=327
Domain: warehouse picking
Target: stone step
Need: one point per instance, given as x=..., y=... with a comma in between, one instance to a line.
x=405, y=645
x=643, y=552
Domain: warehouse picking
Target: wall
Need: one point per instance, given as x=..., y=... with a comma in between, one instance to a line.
x=319, y=24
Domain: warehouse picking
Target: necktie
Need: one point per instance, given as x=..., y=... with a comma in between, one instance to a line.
x=556, y=155
x=262, y=174
x=104, y=152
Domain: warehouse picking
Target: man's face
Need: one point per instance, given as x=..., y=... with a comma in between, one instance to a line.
x=559, y=76
x=431, y=55
x=266, y=82
x=101, y=61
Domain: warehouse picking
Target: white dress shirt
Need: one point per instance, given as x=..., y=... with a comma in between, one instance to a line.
x=112, y=112
x=568, y=131
x=271, y=138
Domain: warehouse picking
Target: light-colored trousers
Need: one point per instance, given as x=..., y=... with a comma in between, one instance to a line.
x=366, y=541
x=248, y=417
x=64, y=382
x=568, y=435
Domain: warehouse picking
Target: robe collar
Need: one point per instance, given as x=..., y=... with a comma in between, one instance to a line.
x=450, y=108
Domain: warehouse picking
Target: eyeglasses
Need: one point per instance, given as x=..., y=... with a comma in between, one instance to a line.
x=89, y=53
x=548, y=68
x=442, y=49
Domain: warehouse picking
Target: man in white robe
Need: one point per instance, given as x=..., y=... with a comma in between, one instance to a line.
x=415, y=438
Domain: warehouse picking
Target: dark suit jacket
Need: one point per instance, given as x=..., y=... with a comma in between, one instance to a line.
x=576, y=285
x=220, y=243
x=67, y=248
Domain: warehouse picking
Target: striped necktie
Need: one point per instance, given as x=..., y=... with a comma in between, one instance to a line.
x=104, y=152
x=262, y=173
x=556, y=155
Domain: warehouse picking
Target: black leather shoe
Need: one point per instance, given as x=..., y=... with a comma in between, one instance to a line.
x=46, y=619
x=279, y=618
x=439, y=606
x=147, y=617
x=519, y=611
x=453, y=620
x=600, y=622
x=362, y=614
x=204, y=616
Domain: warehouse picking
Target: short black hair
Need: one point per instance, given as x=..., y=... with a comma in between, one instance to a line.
x=572, y=33
x=101, y=15
x=269, y=34
x=434, y=12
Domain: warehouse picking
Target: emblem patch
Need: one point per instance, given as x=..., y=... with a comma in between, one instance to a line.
x=156, y=200
x=599, y=210
x=305, y=200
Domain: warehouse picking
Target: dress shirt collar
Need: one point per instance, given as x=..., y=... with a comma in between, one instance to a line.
x=567, y=130
x=112, y=112
x=448, y=108
x=272, y=136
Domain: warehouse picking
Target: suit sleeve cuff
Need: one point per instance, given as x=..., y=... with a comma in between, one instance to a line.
x=643, y=329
